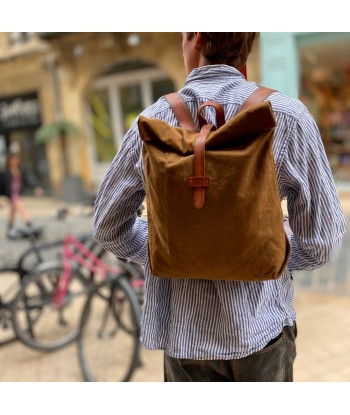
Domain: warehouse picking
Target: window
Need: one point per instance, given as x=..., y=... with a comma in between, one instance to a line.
x=100, y=120
x=325, y=90
x=131, y=104
x=116, y=99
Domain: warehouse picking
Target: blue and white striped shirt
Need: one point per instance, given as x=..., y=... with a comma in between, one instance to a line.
x=202, y=319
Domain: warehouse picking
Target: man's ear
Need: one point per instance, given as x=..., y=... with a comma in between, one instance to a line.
x=198, y=41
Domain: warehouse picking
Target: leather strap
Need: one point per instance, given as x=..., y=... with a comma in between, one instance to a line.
x=220, y=116
x=199, y=182
x=256, y=97
x=184, y=116
x=181, y=111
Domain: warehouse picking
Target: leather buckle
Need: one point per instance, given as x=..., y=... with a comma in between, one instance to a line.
x=198, y=182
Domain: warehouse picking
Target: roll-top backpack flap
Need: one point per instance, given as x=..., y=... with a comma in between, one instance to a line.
x=157, y=133
x=242, y=128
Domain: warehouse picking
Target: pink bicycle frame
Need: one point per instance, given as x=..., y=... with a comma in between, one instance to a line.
x=82, y=256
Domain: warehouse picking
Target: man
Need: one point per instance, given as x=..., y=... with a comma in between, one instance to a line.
x=226, y=330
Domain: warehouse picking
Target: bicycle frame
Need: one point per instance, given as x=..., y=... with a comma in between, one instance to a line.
x=76, y=251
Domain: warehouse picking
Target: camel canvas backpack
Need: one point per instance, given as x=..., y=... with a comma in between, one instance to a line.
x=213, y=203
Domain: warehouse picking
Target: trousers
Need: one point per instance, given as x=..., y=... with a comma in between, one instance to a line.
x=274, y=363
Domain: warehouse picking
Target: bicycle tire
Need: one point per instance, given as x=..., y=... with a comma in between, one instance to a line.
x=34, y=314
x=7, y=334
x=108, y=349
x=10, y=282
x=132, y=270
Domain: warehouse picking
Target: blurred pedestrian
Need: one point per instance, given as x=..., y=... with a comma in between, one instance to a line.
x=226, y=330
x=14, y=180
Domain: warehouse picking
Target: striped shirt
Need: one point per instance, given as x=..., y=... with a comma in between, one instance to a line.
x=204, y=319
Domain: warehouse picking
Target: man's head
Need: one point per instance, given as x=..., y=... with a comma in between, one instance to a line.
x=231, y=48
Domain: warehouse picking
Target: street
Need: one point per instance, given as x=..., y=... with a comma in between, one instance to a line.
x=322, y=303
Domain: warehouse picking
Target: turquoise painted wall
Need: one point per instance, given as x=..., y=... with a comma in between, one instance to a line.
x=280, y=58
x=279, y=62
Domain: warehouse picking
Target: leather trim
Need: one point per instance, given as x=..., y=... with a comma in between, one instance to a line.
x=220, y=115
x=259, y=95
x=181, y=111
x=200, y=181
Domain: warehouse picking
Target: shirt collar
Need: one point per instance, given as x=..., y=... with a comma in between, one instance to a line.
x=207, y=72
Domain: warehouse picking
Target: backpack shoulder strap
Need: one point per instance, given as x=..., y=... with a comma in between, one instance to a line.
x=259, y=95
x=181, y=111
x=184, y=116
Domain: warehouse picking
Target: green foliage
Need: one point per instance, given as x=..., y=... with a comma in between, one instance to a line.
x=54, y=130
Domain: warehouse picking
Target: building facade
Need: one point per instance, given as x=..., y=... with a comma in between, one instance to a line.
x=98, y=81
x=101, y=81
x=24, y=85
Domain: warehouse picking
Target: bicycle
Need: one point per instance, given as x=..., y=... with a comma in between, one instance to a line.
x=13, y=273
x=68, y=290
x=38, y=257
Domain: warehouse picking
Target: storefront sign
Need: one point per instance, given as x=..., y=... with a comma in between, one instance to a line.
x=19, y=112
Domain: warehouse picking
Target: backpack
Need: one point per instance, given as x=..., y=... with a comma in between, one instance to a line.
x=213, y=204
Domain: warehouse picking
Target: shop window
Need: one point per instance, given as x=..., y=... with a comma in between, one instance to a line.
x=33, y=156
x=325, y=90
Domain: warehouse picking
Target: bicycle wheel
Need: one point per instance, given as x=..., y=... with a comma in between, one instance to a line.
x=10, y=282
x=132, y=270
x=37, y=321
x=109, y=335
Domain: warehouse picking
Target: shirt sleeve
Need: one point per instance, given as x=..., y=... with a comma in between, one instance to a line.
x=315, y=215
x=116, y=224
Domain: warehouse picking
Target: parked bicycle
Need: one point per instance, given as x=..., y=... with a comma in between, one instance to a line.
x=61, y=301
x=12, y=273
x=39, y=258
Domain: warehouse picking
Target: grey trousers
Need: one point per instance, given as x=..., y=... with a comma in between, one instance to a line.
x=274, y=363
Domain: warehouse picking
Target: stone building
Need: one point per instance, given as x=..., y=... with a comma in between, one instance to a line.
x=98, y=81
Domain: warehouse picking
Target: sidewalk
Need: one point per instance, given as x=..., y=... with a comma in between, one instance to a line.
x=323, y=317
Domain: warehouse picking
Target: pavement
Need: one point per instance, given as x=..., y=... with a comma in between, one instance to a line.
x=322, y=302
